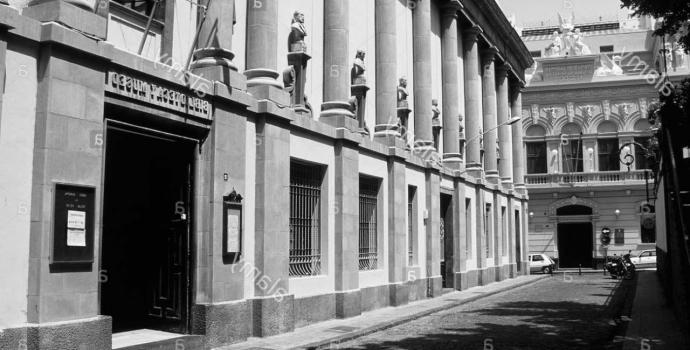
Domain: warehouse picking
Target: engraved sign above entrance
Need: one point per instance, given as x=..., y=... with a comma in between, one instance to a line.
x=188, y=102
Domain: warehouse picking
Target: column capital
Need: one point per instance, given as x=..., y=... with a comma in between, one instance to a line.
x=450, y=8
x=471, y=34
x=502, y=71
x=489, y=55
x=516, y=88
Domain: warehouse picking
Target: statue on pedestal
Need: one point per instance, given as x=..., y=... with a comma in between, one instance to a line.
x=402, y=93
x=435, y=122
x=554, y=49
x=297, y=33
x=358, y=68
x=579, y=45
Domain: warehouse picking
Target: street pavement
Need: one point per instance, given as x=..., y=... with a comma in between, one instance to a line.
x=566, y=311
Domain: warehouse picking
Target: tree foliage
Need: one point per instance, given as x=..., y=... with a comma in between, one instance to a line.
x=675, y=15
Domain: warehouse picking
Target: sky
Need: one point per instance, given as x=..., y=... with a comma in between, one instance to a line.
x=532, y=13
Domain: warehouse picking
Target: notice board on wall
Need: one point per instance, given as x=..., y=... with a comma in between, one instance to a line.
x=73, y=225
x=619, y=236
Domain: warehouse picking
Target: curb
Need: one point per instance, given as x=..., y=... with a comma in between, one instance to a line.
x=399, y=321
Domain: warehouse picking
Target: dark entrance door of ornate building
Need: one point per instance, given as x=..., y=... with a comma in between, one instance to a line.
x=575, y=244
x=145, y=262
x=446, y=245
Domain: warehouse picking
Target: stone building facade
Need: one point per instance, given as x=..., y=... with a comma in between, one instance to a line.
x=586, y=135
x=249, y=187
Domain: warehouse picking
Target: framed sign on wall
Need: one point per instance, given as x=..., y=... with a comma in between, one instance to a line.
x=232, y=227
x=73, y=225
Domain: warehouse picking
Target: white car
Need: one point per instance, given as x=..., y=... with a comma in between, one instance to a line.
x=647, y=258
x=541, y=262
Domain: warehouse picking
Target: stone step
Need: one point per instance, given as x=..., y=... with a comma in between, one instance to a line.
x=147, y=339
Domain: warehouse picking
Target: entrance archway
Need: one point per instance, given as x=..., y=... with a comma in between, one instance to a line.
x=575, y=239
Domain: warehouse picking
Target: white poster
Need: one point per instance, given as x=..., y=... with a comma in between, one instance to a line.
x=233, y=243
x=76, y=228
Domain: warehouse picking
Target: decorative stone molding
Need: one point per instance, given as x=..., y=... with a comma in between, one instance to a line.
x=573, y=200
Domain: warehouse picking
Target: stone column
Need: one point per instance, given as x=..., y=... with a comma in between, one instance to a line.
x=449, y=68
x=421, y=56
x=336, y=73
x=473, y=100
x=489, y=109
x=505, y=142
x=386, y=72
x=213, y=57
x=261, y=58
x=518, y=146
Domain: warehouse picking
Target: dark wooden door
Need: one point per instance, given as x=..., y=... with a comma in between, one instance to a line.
x=169, y=288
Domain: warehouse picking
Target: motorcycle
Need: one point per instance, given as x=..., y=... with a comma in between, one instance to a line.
x=621, y=267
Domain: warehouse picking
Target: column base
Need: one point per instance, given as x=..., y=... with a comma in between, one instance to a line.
x=424, y=149
x=520, y=188
x=262, y=83
x=77, y=14
x=452, y=160
x=474, y=169
x=492, y=177
x=507, y=183
x=339, y=115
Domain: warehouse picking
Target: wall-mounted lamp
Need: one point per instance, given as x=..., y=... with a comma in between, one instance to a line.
x=617, y=212
x=531, y=214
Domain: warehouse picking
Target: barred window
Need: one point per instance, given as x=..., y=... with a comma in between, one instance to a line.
x=368, y=233
x=504, y=231
x=305, y=219
x=468, y=228
x=411, y=194
x=487, y=230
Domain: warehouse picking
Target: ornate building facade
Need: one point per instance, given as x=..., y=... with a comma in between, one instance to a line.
x=224, y=169
x=585, y=114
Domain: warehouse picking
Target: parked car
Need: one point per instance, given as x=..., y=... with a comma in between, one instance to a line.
x=647, y=258
x=541, y=262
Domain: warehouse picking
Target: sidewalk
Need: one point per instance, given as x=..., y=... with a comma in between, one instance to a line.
x=339, y=330
x=652, y=324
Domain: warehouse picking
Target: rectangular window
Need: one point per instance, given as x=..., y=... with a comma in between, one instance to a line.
x=608, y=154
x=641, y=161
x=606, y=48
x=368, y=230
x=468, y=227
x=535, y=54
x=145, y=7
x=572, y=156
x=504, y=232
x=487, y=230
x=411, y=227
x=305, y=219
x=536, y=158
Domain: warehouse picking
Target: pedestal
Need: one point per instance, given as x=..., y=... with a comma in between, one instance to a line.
x=298, y=60
x=436, y=132
x=403, y=114
x=359, y=91
x=215, y=64
x=262, y=84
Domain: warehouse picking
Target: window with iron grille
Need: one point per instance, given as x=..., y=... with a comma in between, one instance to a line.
x=305, y=219
x=468, y=227
x=145, y=7
x=504, y=231
x=487, y=230
x=411, y=194
x=368, y=231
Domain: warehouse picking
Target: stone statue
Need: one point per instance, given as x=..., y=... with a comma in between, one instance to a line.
x=608, y=67
x=435, y=120
x=554, y=49
x=578, y=44
x=289, y=79
x=358, y=68
x=297, y=33
x=402, y=93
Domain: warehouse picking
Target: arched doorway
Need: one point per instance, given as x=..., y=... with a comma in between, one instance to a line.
x=575, y=238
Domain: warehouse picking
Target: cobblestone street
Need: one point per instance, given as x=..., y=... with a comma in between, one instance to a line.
x=562, y=312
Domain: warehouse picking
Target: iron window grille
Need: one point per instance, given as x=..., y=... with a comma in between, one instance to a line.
x=411, y=193
x=504, y=232
x=468, y=227
x=305, y=219
x=368, y=231
x=487, y=230
x=145, y=7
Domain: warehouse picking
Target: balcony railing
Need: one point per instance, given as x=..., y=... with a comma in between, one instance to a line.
x=601, y=177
